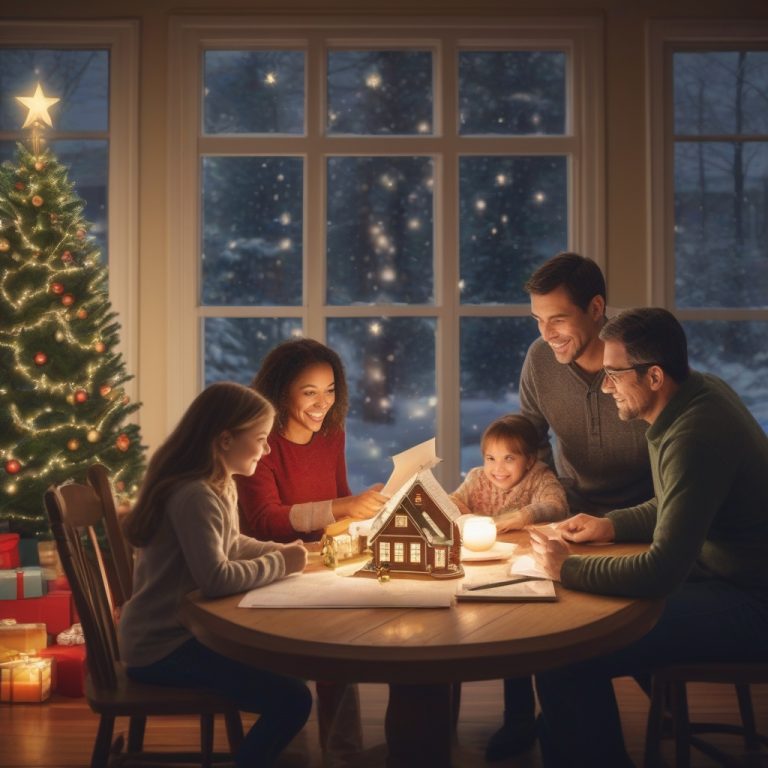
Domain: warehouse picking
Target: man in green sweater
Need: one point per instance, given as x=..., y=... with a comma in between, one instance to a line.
x=707, y=527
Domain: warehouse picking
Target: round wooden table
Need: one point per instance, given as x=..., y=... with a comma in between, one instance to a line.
x=420, y=652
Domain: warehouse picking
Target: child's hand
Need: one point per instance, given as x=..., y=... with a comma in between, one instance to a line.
x=295, y=557
x=513, y=521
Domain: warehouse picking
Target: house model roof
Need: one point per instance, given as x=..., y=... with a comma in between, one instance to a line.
x=438, y=495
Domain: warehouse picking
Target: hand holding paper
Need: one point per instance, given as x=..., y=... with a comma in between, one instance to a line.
x=549, y=553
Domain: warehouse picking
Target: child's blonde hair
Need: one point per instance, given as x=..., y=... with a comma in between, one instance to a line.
x=514, y=430
x=191, y=452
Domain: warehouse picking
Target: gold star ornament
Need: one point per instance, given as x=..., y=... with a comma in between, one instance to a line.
x=38, y=106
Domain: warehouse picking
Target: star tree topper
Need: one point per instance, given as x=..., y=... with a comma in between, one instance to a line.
x=38, y=106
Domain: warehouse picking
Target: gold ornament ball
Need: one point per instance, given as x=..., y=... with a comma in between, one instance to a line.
x=81, y=233
x=59, y=336
x=70, y=399
x=93, y=436
x=99, y=346
x=73, y=444
x=4, y=245
x=39, y=165
x=11, y=489
x=37, y=201
x=82, y=314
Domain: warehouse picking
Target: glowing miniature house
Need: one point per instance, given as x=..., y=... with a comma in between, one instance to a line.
x=416, y=531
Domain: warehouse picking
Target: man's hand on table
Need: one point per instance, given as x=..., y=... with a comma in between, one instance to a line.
x=550, y=551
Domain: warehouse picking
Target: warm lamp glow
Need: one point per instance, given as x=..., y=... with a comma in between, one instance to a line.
x=479, y=533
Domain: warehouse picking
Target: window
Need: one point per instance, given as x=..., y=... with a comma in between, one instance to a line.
x=399, y=552
x=384, y=551
x=711, y=180
x=414, y=554
x=93, y=70
x=401, y=521
x=386, y=189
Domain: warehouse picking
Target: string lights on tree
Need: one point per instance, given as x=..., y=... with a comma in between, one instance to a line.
x=63, y=404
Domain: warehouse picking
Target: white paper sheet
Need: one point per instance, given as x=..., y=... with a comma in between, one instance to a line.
x=325, y=589
x=409, y=462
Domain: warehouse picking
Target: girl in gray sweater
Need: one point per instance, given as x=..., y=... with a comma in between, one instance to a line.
x=186, y=531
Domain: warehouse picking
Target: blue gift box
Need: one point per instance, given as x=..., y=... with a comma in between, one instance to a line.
x=24, y=582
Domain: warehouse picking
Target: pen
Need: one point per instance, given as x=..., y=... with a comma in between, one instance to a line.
x=504, y=583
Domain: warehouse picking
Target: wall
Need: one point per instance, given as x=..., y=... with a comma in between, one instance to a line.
x=625, y=130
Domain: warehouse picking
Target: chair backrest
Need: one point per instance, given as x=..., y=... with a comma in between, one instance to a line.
x=74, y=511
x=120, y=549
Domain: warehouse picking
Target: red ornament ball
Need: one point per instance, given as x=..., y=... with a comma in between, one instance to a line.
x=81, y=233
x=81, y=396
x=66, y=257
x=4, y=245
x=73, y=444
x=41, y=358
x=123, y=442
x=99, y=346
x=19, y=185
x=12, y=467
x=37, y=201
x=57, y=288
x=104, y=390
x=82, y=314
x=67, y=299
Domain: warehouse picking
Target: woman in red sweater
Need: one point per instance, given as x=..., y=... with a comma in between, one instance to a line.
x=300, y=487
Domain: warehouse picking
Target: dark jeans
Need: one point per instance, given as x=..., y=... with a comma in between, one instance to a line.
x=283, y=703
x=702, y=621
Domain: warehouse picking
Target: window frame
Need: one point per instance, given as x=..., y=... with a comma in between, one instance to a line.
x=121, y=39
x=665, y=39
x=583, y=144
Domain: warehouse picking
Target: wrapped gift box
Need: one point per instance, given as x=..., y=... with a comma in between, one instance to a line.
x=22, y=583
x=25, y=638
x=28, y=680
x=54, y=610
x=70, y=668
x=49, y=560
x=9, y=550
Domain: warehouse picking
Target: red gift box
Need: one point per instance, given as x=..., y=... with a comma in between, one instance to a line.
x=70, y=668
x=54, y=610
x=9, y=550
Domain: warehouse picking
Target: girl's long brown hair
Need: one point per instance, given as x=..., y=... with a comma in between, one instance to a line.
x=190, y=452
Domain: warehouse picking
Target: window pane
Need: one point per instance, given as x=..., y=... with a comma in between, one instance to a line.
x=512, y=92
x=390, y=365
x=719, y=92
x=79, y=78
x=379, y=92
x=492, y=354
x=721, y=220
x=253, y=92
x=379, y=232
x=513, y=216
x=235, y=346
x=736, y=352
x=252, y=231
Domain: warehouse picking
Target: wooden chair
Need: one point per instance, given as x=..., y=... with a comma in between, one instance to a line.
x=669, y=700
x=76, y=512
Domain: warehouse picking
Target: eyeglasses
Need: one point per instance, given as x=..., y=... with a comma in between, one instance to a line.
x=611, y=373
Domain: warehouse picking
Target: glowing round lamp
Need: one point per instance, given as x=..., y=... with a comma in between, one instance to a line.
x=479, y=533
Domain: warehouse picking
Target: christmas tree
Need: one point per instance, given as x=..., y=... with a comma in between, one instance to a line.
x=63, y=405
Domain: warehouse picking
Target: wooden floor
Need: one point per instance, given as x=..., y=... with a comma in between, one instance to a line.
x=59, y=733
